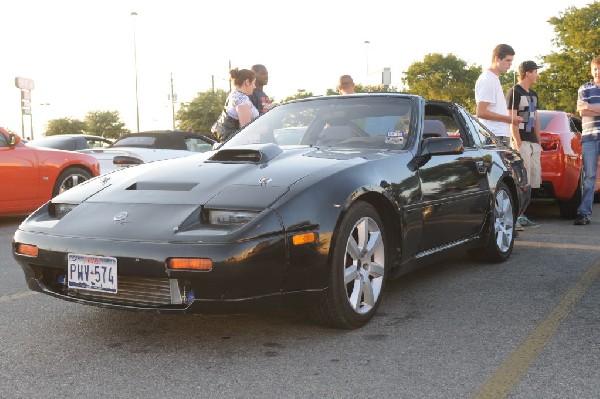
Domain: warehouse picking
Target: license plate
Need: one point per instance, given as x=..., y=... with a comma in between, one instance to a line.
x=95, y=273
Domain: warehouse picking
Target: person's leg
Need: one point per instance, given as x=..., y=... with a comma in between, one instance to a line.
x=536, y=165
x=589, y=150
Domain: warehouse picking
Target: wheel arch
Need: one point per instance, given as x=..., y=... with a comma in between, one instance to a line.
x=385, y=207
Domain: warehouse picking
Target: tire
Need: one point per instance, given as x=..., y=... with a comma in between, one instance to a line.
x=69, y=178
x=357, y=271
x=501, y=237
x=568, y=209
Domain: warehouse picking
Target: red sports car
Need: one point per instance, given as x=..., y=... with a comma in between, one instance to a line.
x=561, y=161
x=31, y=176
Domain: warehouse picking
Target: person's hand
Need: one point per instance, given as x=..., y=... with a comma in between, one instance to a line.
x=516, y=120
x=581, y=105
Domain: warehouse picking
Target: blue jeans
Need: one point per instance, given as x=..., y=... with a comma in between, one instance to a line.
x=590, y=151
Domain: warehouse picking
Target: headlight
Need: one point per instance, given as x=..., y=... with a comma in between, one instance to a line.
x=59, y=210
x=231, y=217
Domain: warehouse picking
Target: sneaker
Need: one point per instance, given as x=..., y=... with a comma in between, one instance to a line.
x=518, y=226
x=582, y=220
x=525, y=222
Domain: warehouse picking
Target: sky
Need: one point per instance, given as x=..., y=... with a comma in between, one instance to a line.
x=82, y=54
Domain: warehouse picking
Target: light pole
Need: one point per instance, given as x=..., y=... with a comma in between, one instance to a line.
x=367, y=55
x=137, y=103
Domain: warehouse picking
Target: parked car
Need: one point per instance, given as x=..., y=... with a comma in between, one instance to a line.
x=372, y=189
x=137, y=148
x=31, y=176
x=562, y=173
x=71, y=142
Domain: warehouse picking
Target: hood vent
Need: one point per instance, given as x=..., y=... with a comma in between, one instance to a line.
x=162, y=186
x=259, y=153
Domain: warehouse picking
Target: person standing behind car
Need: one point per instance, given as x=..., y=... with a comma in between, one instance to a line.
x=238, y=110
x=259, y=98
x=489, y=96
x=523, y=101
x=588, y=105
x=346, y=85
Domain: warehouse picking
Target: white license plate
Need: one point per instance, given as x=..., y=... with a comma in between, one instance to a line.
x=95, y=273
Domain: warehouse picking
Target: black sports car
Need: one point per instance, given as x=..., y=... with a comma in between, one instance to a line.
x=317, y=202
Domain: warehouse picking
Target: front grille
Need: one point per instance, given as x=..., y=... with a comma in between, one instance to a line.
x=135, y=291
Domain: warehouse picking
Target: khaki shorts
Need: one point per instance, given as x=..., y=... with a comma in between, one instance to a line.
x=531, y=153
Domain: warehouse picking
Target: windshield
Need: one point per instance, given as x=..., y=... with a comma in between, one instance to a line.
x=378, y=122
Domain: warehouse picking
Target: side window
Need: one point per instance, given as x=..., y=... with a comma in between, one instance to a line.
x=3, y=141
x=575, y=125
x=197, y=145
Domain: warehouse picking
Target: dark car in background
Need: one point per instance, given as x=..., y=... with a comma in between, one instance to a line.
x=137, y=148
x=71, y=142
x=366, y=188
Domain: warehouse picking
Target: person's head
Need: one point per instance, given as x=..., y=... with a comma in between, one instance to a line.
x=502, y=58
x=262, y=75
x=595, y=69
x=528, y=70
x=244, y=80
x=346, y=85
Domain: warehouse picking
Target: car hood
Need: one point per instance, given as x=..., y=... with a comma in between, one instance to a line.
x=160, y=196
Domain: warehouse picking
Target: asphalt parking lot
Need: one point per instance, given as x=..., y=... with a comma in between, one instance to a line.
x=526, y=328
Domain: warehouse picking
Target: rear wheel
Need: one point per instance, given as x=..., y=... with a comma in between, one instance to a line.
x=500, y=241
x=357, y=272
x=69, y=178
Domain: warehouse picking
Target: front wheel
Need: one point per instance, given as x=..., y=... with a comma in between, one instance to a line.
x=69, y=178
x=357, y=270
x=500, y=240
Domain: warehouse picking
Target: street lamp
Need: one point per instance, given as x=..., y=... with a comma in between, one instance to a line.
x=137, y=103
x=367, y=55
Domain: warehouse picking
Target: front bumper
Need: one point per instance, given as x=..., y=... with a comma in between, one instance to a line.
x=245, y=275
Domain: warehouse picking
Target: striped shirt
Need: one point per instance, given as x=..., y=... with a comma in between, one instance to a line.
x=590, y=93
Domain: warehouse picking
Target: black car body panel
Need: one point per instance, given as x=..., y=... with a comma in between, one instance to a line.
x=433, y=194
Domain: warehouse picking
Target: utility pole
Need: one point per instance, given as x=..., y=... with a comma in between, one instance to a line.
x=173, y=99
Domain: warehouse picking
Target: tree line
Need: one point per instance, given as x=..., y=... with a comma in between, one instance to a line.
x=437, y=76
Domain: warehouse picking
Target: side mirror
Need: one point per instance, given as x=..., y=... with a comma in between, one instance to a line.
x=13, y=139
x=442, y=146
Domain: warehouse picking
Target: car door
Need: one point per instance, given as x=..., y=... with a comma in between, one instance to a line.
x=455, y=191
x=20, y=177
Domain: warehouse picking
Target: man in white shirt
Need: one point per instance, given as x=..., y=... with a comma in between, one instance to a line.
x=489, y=96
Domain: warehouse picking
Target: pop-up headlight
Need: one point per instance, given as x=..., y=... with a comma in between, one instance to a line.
x=59, y=210
x=227, y=217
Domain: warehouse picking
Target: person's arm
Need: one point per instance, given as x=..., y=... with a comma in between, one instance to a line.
x=587, y=109
x=538, y=130
x=514, y=129
x=483, y=112
x=244, y=114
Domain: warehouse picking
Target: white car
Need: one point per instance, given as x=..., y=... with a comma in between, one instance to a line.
x=137, y=148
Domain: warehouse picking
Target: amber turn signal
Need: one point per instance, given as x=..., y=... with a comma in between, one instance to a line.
x=190, y=264
x=303, y=238
x=26, y=249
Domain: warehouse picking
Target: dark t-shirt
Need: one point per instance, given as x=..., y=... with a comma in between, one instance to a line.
x=526, y=104
x=261, y=101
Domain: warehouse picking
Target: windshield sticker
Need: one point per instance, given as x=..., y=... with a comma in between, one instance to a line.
x=394, y=137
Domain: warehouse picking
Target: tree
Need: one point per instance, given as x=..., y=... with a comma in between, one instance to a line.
x=447, y=78
x=577, y=42
x=299, y=94
x=105, y=124
x=65, y=126
x=201, y=113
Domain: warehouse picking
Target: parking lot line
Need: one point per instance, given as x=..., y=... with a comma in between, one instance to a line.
x=556, y=245
x=504, y=380
x=18, y=295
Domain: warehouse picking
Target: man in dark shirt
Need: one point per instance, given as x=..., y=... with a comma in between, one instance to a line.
x=261, y=101
x=522, y=101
